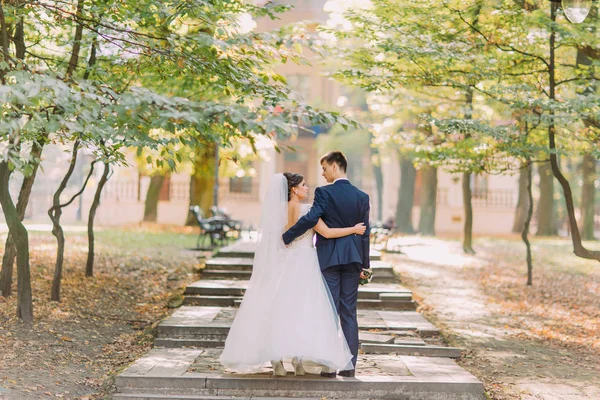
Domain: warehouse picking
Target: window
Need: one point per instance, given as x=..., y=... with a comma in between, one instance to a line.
x=240, y=185
x=165, y=190
x=479, y=185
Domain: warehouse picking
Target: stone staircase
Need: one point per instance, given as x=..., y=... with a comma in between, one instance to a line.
x=223, y=293
x=402, y=355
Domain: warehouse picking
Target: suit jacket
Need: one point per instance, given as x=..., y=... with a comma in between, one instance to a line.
x=340, y=205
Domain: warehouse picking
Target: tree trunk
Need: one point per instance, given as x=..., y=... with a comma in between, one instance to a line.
x=378, y=174
x=588, y=192
x=10, y=252
x=202, y=183
x=151, y=203
x=527, y=220
x=546, y=210
x=4, y=45
x=578, y=248
x=55, y=212
x=21, y=240
x=523, y=202
x=406, y=194
x=76, y=41
x=467, y=195
x=89, y=265
x=468, y=209
x=428, y=200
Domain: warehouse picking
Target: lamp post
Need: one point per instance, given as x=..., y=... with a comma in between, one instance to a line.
x=575, y=10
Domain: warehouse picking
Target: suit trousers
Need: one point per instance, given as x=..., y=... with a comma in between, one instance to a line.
x=343, y=283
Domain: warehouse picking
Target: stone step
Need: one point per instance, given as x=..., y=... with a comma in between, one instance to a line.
x=219, y=341
x=216, y=288
x=177, y=343
x=384, y=279
x=177, y=373
x=407, y=340
x=372, y=291
x=246, y=274
x=226, y=274
x=147, y=396
x=212, y=301
x=368, y=337
x=369, y=304
x=242, y=264
x=410, y=350
x=363, y=304
x=382, y=272
x=246, y=249
x=212, y=323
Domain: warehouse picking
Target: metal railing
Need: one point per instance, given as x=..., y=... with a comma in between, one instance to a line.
x=495, y=198
x=179, y=191
x=121, y=191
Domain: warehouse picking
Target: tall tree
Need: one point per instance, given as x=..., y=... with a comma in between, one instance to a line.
x=89, y=264
x=546, y=209
x=522, y=202
x=428, y=200
x=588, y=192
x=406, y=194
x=202, y=183
x=152, y=197
x=10, y=251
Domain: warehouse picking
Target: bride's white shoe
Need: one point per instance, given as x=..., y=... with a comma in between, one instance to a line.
x=298, y=367
x=278, y=369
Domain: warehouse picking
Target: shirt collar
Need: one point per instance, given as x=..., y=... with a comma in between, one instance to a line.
x=341, y=179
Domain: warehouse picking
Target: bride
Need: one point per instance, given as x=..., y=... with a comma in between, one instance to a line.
x=287, y=311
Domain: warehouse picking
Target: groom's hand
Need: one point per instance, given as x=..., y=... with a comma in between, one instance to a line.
x=363, y=275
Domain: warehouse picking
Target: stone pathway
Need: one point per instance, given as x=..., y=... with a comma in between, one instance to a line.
x=402, y=355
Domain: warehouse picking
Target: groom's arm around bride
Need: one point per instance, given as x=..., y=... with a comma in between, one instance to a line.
x=309, y=220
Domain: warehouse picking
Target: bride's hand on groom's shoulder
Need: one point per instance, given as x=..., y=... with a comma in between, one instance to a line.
x=360, y=228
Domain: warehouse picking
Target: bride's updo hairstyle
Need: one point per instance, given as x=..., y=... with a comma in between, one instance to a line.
x=293, y=181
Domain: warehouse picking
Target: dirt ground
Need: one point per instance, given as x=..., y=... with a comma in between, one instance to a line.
x=75, y=347
x=538, y=342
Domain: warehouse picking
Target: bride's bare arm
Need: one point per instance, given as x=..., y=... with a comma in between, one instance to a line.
x=332, y=233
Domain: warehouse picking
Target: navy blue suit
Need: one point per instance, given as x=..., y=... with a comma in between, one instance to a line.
x=340, y=205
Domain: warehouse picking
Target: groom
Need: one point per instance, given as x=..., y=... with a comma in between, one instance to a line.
x=342, y=260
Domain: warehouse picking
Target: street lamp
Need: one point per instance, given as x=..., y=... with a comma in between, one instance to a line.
x=575, y=10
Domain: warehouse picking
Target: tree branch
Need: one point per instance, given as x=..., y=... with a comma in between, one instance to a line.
x=3, y=43
x=505, y=48
x=82, y=187
x=76, y=41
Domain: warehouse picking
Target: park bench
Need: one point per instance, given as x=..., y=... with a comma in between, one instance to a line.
x=235, y=226
x=215, y=230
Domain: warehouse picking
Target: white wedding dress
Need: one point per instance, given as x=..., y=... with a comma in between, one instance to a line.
x=287, y=310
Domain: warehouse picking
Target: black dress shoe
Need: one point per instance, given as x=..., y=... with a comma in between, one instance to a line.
x=349, y=373
x=328, y=374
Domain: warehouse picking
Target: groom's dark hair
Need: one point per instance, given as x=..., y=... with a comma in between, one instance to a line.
x=336, y=157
